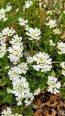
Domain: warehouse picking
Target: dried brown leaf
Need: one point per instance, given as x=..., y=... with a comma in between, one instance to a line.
x=54, y=104
x=45, y=104
x=38, y=112
x=61, y=103
x=38, y=101
x=53, y=112
x=46, y=113
x=35, y=106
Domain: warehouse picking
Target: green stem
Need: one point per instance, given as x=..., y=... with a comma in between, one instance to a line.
x=56, y=62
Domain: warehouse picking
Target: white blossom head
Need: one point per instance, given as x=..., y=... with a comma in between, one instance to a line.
x=43, y=62
x=61, y=47
x=53, y=85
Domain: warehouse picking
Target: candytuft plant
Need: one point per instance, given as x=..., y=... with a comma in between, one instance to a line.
x=32, y=54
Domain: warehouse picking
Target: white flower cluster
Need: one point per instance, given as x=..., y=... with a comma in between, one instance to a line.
x=22, y=22
x=49, y=12
x=53, y=85
x=56, y=31
x=8, y=112
x=16, y=71
x=15, y=51
x=8, y=32
x=5, y=32
x=37, y=91
x=2, y=45
x=8, y=8
x=34, y=34
x=63, y=67
x=3, y=12
x=51, y=43
x=20, y=85
x=29, y=59
x=27, y=5
x=43, y=62
x=51, y=23
x=61, y=47
x=22, y=91
x=64, y=12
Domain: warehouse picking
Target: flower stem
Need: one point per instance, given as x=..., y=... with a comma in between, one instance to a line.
x=56, y=62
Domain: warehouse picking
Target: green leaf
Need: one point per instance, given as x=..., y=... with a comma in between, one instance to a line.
x=53, y=73
x=8, y=99
x=4, y=81
x=62, y=90
x=2, y=94
x=1, y=24
x=55, y=2
x=15, y=18
x=60, y=18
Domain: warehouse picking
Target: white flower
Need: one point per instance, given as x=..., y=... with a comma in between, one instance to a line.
x=18, y=114
x=7, y=67
x=34, y=34
x=58, y=85
x=44, y=63
x=51, y=23
x=2, y=45
x=61, y=47
x=21, y=88
x=22, y=91
x=63, y=72
x=29, y=99
x=49, y=12
x=51, y=43
x=37, y=91
x=2, y=15
x=2, y=38
x=30, y=59
x=8, y=8
x=15, y=52
x=22, y=22
x=15, y=71
x=28, y=3
x=17, y=9
x=23, y=67
x=19, y=102
x=63, y=66
x=7, y=112
x=2, y=49
x=64, y=12
x=14, y=59
x=16, y=40
x=27, y=27
x=56, y=31
x=37, y=67
x=53, y=85
x=8, y=32
x=9, y=90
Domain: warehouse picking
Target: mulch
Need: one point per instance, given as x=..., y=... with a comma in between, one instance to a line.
x=46, y=104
